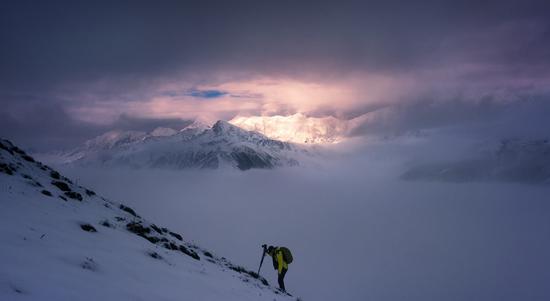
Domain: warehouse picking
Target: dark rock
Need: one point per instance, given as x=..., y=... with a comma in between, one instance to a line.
x=170, y=246
x=207, y=254
x=88, y=228
x=63, y=198
x=18, y=150
x=154, y=255
x=55, y=175
x=45, y=192
x=6, y=147
x=119, y=219
x=137, y=228
x=242, y=270
x=90, y=192
x=129, y=210
x=61, y=185
x=74, y=195
x=140, y=230
x=26, y=176
x=151, y=239
x=159, y=231
x=176, y=235
x=250, y=159
x=188, y=252
x=106, y=223
x=7, y=168
x=28, y=158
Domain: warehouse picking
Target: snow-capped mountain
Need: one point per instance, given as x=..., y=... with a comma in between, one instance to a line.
x=62, y=241
x=195, y=146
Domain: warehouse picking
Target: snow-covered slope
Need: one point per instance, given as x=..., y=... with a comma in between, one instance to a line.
x=196, y=146
x=61, y=241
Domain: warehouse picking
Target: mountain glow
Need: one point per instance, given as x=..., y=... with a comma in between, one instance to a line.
x=296, y=128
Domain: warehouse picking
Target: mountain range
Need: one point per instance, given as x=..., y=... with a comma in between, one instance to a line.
x=197, y=146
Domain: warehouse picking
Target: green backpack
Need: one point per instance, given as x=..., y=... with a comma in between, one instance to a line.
x=287, y=255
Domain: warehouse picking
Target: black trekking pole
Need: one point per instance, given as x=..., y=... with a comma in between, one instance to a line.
x=262, y=261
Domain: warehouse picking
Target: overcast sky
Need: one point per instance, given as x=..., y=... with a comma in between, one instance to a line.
x=69, y=71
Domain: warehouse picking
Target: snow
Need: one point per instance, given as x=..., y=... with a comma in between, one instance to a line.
x=196, y=146
x=45, y=255
x=163, y=132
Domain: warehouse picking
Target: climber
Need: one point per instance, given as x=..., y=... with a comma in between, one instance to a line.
x=282, y=257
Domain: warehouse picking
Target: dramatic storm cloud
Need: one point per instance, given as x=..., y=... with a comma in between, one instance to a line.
x=90, y=63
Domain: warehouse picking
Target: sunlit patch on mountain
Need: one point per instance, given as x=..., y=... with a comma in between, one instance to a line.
x=297, y=128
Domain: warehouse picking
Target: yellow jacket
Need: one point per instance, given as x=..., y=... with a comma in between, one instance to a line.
x=278, y=260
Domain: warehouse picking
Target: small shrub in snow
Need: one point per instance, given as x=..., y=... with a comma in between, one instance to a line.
x=7, y=168
x=28, y=158
x=25, y=176
x=159, y=231
x=241, y=270
x=176, y=235
x=63, y=198
x=61, y=185
x=88, y=228
x=154, y=255
x=35, y=183
x=129, y=210
x=188, y=252
x=207, y=254
x=45, y=192
x=170, y=246
x=74, y=195
x=106, y=223
x=18, y=150
x=6, y=147
x=151, y=239
x=137, y=228
x=89, y=264
x=90, y=192
x=55, y=175
x=67, y=180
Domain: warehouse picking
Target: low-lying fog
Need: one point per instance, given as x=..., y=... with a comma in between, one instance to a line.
x=357, y=230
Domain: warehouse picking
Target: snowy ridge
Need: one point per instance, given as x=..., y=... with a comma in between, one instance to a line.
x=196, y=146
x=63, y=241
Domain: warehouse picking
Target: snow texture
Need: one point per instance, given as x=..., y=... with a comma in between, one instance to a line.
x=197, y=146
x=62, y=241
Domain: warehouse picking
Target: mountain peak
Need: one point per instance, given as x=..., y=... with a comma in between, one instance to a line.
x=222, y=126
x=196, y=146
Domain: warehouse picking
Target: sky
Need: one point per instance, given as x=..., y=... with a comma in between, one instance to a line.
x=440, y=77
x=70, y=71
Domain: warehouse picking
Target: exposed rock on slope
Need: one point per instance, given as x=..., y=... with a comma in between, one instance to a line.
x=62, y=241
